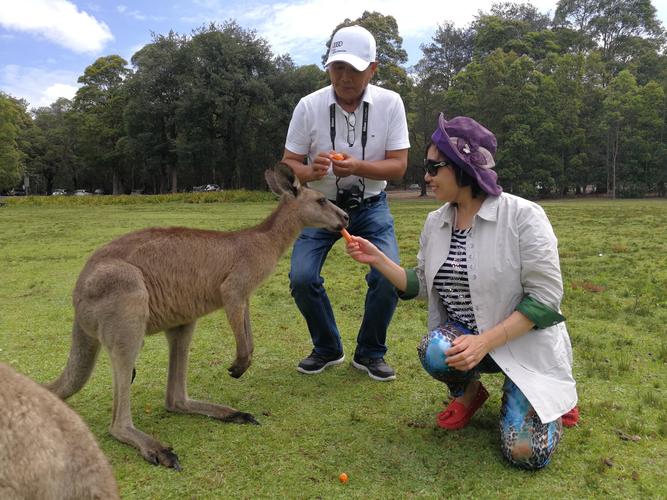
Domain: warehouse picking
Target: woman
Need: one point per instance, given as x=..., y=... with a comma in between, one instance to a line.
x=488, y=265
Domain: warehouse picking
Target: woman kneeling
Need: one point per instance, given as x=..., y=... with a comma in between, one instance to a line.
x=488, y=265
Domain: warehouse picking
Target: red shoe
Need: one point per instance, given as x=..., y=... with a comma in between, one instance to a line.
x=571, y=418
x=456, y=415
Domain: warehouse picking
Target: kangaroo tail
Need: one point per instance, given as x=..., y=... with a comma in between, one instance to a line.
x=80, y=364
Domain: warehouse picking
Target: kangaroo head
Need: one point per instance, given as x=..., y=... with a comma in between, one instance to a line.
x=312, y=207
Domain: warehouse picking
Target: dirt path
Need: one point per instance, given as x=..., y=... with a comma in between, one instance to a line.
x=412, y=194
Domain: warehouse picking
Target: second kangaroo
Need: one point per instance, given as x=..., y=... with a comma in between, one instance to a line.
x=163, y=279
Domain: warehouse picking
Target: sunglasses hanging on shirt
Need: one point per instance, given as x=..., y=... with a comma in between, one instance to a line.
x=351, y=120
x=352, y=197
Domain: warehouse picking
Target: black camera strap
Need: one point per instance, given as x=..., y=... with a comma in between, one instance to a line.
x=364, y=137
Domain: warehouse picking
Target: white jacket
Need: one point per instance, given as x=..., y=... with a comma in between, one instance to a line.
x=511, y=252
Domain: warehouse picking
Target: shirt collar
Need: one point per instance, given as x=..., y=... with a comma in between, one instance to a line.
x=488, y=211
x=367, y=97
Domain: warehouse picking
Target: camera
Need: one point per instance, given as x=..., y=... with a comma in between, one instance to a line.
x=349, y=199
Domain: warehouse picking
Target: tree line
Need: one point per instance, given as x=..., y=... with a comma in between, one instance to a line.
x=576, y=100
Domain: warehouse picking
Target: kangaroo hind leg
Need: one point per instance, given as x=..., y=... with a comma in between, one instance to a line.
x=177, y=399
x=123, y=338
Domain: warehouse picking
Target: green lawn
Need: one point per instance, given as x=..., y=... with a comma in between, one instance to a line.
x=614, y=261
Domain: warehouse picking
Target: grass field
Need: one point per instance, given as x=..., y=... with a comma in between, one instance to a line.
x=614, y=262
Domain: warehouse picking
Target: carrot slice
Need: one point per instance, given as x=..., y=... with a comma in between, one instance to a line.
x=346, y=235
x=337, y=156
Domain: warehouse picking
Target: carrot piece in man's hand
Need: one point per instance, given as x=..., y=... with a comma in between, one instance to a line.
x=337, y=156
x=346, y=235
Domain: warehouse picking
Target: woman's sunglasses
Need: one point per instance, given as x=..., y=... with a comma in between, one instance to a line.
x=431, y=166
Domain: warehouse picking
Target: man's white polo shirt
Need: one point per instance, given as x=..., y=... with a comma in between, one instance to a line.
x=309, y=133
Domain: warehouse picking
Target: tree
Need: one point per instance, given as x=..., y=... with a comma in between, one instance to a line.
x=621, y=107
x=611, y=24
x=14, y=121
x=449, y=52
x=647, y=150
x=100, y=103
x=232, y=102
x=154, y=93
x=53, y=143
x=510, y=26
x=560, y=131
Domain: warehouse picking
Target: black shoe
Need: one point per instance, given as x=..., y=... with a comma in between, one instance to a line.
x=316, y=363
x=376, y=368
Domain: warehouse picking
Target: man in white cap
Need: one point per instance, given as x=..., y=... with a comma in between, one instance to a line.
x=346, y=140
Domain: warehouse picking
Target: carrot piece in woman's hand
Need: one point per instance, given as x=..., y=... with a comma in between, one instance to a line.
x=337, y=156
x=346, y=235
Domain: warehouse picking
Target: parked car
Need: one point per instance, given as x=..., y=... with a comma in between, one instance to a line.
x=59, y=192
x=212, y=187
x=16, y=192
x=81, y=192
x=414, y=186
x=98, y=191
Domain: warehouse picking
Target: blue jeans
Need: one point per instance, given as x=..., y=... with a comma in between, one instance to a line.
x=374, y=222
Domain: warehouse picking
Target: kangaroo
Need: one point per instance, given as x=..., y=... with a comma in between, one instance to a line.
x=46, y=451
x=163, y=279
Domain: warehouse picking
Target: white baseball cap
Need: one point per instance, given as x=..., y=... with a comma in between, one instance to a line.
x=354, y=45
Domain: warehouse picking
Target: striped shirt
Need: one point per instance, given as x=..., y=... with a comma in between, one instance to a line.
x=451, y=282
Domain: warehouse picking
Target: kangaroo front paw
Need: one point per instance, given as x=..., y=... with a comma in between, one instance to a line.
x=238, y=367
x=163, y=456
x=241, y=417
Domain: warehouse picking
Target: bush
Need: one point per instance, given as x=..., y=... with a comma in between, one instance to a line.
x=239, y=195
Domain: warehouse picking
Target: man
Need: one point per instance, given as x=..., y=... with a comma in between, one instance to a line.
x=366, y=126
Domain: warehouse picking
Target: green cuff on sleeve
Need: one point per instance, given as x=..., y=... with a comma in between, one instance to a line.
x=543, y=316
x=412, y=286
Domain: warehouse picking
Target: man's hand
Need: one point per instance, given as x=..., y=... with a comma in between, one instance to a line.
x=344, y=167
x=321, y=165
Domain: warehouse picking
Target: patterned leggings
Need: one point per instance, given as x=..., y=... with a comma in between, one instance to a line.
x=525, y=441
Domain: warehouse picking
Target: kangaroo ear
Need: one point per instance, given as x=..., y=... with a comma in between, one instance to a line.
x=281, y=180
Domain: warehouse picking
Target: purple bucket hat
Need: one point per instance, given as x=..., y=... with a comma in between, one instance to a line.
x=471, y=146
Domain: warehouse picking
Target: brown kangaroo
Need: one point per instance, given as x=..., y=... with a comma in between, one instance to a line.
x=46, y=451
x=163, y=279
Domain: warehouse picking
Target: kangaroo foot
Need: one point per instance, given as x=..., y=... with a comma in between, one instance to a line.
x=163, y=456
x=240, y=417
x=213, y=410
x=238, y=367
x=151, y=449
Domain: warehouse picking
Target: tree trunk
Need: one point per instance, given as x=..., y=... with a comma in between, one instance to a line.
x=114, y=183
x=614, y=155
x=606, y=160
x=174, y=180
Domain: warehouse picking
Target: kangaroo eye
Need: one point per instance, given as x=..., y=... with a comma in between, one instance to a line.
x=322, y=201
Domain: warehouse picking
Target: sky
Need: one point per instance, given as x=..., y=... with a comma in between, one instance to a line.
x=45, y=45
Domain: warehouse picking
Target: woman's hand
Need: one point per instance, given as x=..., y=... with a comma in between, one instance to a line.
x=466, y=352
x=363, y=251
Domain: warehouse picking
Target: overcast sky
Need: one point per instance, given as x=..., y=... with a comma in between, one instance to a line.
x=45, y=45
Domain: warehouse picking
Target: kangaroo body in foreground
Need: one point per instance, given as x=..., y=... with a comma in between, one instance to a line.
x=46, y=451
x=163, y=280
